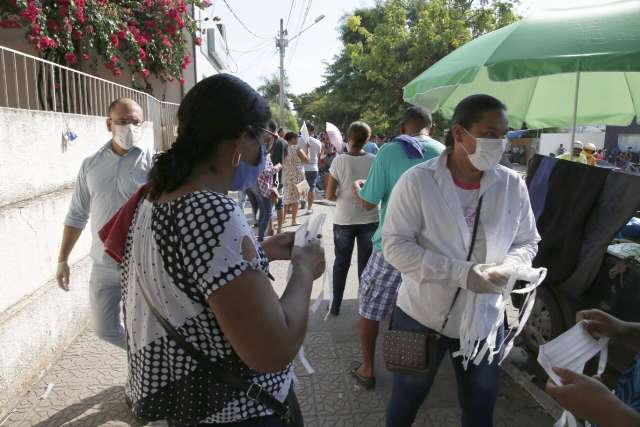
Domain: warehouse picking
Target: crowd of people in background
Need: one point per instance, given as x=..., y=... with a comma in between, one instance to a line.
x=208, y=339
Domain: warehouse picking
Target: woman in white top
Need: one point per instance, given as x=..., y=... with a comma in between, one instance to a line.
x=427, y=236
x=351, y=221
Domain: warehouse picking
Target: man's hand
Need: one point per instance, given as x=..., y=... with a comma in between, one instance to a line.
x=62, y=275
x=600, y=324
x=585, y=397
x=279, y=247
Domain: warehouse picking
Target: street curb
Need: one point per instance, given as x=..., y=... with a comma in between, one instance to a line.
x=523, y=380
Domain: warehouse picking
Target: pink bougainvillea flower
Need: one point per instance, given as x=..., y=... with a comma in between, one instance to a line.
x=35, y=29
x=166, y=42
x=186, y=61
x=181, y=80
x=117, y=71
x=71, y=58
x=171, y=29
x=31, y=12
x=150, y=23
x=146, y=73
x=142, y=55
x=122, y=35
x=198, y=41
x=114, y=40
x=148, y=3
x=76, y=35
x=53, y=25
x=114, y=59
x=85, y=56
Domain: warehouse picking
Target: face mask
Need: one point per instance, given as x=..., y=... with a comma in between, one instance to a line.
x=127, y=136
x=488, y=152
x=572, y=350
x=246, y=175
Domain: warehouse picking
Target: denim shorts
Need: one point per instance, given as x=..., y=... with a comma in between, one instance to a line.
x=312, y=179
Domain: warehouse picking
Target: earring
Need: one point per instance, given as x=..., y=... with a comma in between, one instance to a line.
x=235, y=163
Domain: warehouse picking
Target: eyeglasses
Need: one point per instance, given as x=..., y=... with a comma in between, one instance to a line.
x=256, y=132
x=126, y=122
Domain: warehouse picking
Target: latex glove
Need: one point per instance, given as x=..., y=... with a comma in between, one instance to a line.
x=499, y=275
x=62, y=275
x=478, y=280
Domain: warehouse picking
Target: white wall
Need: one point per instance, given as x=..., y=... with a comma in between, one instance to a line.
x=550, y=142
x=33, y=159
x=37, y=319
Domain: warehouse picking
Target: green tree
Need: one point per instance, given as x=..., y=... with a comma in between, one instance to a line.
x=386, y=46
x=270, y=89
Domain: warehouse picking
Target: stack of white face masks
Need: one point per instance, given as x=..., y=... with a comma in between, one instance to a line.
x=481, y=310
x=306, y=234
x=572, y=350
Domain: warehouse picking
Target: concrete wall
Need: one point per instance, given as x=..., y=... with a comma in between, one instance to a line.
x=550, y=142
x=37, y=319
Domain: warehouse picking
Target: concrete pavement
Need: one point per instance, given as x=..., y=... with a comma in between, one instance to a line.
x=84, y=387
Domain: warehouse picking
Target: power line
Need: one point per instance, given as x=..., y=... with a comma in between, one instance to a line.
x=255, y=48
x=293, y=2
x=243, y=24
x=306, y=14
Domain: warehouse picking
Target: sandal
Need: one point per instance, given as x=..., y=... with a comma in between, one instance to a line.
x=368, y=383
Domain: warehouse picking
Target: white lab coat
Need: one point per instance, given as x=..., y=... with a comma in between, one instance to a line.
x=425, y=236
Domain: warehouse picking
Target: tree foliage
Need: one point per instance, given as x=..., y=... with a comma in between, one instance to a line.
x=270, y=90
x=385, y=47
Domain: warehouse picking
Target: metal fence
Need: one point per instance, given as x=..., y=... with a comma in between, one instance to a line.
x=31, y=83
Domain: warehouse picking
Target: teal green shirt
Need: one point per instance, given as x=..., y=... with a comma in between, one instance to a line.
x=389, y=165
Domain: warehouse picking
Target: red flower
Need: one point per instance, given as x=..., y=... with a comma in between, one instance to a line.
x=114, y=40
x=85, y=56
x=142, y=54
x=76, y=35
x=31, y=12
x=186, y=61
x=10, y=23
x=48, y=42
x=171, y=29
x=71, y=58
x=117, y=72
x=141, y=40
x=151, y=24
x=145, y=73
x=181, y=80
x=121, y=34
x=53, y=25
x=35, y=29
x=148, y=3
x=114, y=59
x=166, y=42
x=198, y=41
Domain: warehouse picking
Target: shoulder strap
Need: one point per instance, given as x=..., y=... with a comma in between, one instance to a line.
x=476, y=223
x=252, y=390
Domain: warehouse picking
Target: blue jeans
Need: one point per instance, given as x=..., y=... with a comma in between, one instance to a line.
x=344, y=237
x=105, y=294
x=477, y=386
x=265, y=207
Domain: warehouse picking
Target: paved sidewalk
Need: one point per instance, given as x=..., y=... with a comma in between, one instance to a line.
x=87, y=380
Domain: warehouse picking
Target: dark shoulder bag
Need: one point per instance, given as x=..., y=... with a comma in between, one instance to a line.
x=415, y=353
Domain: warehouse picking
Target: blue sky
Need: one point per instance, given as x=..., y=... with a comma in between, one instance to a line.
x=256, y=57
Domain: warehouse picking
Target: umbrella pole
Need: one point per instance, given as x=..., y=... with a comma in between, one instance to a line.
x=575, y=114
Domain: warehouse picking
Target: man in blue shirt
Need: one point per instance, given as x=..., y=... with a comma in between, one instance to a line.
x=105, y=182
x=371, y=147
x=380, y=281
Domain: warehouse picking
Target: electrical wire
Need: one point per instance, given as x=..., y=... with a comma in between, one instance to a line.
x=293, y=2
x=243, y=24
x=304, y=20
x=255, y=48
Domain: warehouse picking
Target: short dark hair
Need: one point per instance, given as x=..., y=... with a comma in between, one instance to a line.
x=280, y=129
x=290, y=135
x=470, y=111
x=359, y=133
x=311, y=126
x=121, y=101
x=418, y=115
x=272, y=125
x=380, y=135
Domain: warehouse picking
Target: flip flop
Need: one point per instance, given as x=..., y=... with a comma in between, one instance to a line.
x=368, y=383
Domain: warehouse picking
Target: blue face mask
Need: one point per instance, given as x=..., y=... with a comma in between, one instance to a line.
x=246, y=176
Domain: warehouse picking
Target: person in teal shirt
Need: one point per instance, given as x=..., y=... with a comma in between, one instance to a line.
x=380, y=281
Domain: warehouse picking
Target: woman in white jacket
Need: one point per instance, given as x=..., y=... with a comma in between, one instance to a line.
x=427, y=236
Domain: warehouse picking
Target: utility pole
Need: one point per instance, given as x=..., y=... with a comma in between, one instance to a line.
x=281, y=43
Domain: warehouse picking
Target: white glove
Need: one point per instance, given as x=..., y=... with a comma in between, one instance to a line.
x=480, y=282
x=62, y=275
x=499, y=274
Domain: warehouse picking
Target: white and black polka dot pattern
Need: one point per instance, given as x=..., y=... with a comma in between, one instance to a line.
x=181, y=252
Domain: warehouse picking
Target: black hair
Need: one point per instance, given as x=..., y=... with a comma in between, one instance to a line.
x=359, y=133
x=470, y=111
x=311, y=127
x=220, y=107
x=417, y=115
x=290, y=135
x=272, y=125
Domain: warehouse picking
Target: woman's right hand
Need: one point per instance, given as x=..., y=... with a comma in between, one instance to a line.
x=310, y=258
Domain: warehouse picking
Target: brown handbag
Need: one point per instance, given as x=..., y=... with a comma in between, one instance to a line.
x=415, y=353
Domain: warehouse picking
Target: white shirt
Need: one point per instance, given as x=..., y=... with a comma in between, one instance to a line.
x=314, y=148
x=426, y=237
x=346, y=169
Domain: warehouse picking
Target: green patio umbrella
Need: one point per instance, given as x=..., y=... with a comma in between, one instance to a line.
x=558, y=68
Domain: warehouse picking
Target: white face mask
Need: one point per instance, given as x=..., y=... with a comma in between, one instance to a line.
x=572, y=350
x=488, y=152
x=127, y=136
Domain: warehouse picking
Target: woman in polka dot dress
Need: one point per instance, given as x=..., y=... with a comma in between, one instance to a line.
x=191, y=250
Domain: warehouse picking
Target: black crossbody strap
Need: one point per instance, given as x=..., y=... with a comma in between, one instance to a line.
x=476, y=223
x=253, y=391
